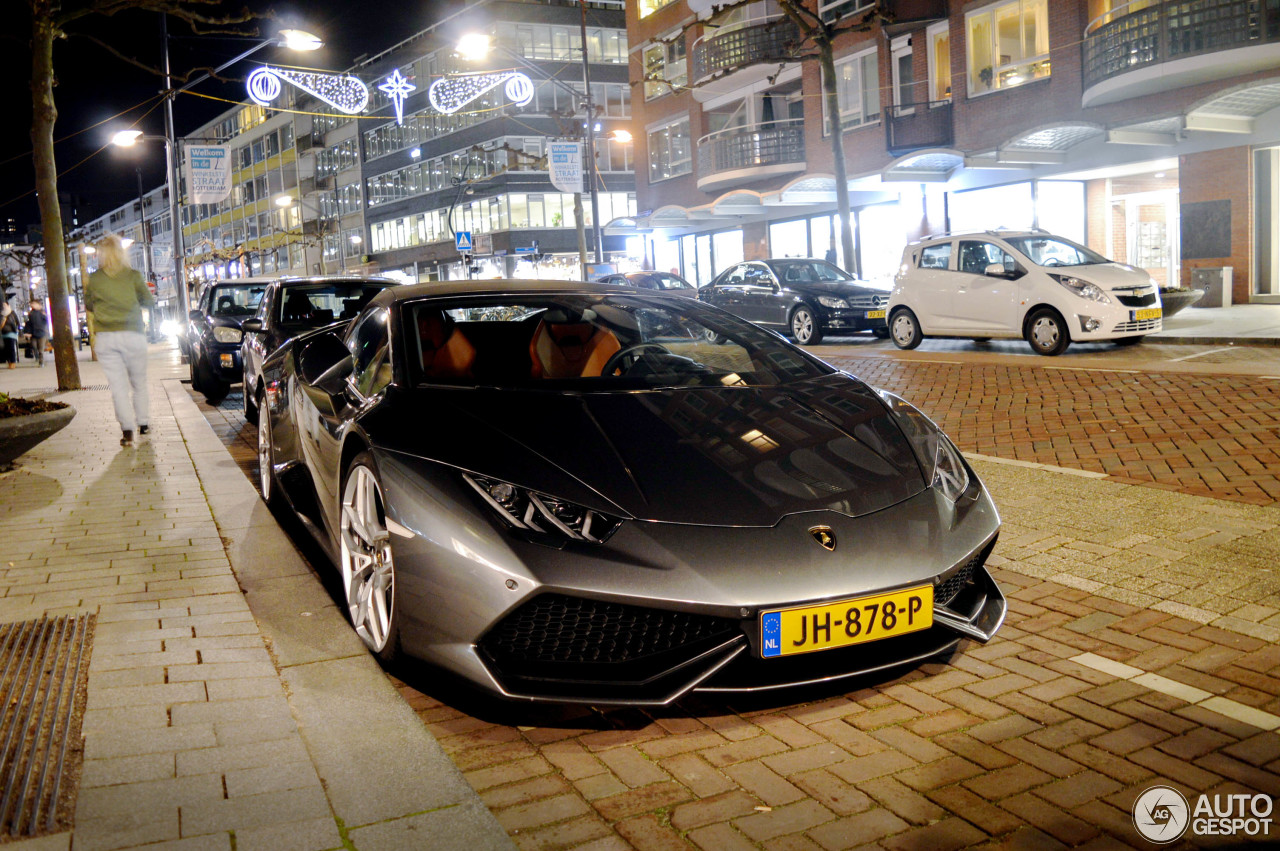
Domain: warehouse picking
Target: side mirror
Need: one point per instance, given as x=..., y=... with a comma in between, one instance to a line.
x=195, y=316
x=324, y=360
x=253, y=325
x=994, y=270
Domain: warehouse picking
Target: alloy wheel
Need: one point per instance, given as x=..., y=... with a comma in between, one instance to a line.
x=368, y=573
x=802, y=325
x=266, y=476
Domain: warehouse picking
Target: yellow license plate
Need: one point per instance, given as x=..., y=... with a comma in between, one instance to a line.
x=788, y=631
x=875, y=314
x=1149, y=313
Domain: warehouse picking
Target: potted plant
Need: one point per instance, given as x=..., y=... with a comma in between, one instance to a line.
x=26, y=422
x=1173, y=299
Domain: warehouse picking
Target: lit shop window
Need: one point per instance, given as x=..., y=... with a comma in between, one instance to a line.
x=1008, y=45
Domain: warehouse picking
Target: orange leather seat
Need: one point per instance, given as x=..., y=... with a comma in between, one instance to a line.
x=570, y=349
x=446, y=351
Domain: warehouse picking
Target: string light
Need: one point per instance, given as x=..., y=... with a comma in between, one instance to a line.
x=342, y=92
x=450, y=94
x=397, y=88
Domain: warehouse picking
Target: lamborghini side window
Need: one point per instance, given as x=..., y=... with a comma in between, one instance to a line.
x=368, y=342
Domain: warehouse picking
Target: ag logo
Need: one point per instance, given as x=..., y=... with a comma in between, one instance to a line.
x=1161, y=814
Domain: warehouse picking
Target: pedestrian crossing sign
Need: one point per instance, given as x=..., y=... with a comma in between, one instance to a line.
x=462, y=239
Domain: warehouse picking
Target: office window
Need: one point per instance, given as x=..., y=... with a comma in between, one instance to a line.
x=858, y=89
x=670, y=151
x=1008, y=45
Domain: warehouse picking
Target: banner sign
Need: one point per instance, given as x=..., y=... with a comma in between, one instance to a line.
x=564, y=160
x=208, y=173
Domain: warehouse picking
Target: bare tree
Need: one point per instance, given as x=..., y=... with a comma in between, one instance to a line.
x=815, y=42
x=49, y=22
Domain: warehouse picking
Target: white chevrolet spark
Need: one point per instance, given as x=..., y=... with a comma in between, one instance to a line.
x=1045, y=289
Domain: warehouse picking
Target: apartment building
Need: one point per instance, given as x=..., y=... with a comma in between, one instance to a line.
x=1149, y=130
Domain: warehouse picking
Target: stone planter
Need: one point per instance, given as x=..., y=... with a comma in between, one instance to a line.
x=18, y=434
x=1172, y=302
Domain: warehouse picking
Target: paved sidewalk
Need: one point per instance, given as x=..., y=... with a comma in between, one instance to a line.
x=229, y=704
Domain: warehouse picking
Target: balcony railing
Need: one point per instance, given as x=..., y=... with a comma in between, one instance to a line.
x=1145, y=33
x=912, y=126
x=756, y=40
x=755, y=151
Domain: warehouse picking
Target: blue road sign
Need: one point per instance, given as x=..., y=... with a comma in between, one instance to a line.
x=526, y=249
x=462, y=240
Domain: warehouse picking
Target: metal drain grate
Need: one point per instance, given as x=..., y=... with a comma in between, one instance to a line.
x=90, y=387
x=43, y=666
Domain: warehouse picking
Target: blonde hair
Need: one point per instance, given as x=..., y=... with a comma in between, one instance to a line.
x=112, y=258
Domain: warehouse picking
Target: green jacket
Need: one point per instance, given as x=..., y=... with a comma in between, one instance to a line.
x=116, y=302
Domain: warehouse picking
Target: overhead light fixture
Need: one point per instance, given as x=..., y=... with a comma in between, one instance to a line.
x=126, y=138
x=474, y=46
x=300, y=40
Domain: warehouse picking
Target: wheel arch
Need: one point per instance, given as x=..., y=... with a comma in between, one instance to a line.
x=354, y=443
x=1041, y=305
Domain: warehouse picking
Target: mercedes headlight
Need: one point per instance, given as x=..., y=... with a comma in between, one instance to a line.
x=833, y=302
x=224, y=334
x=543, y=516
x=940, y=461
x=1082, y=288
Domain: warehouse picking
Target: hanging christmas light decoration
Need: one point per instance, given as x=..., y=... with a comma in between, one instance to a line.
x=450, y=94
x=342, y=92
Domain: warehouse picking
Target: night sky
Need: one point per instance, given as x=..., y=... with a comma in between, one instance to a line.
x=93, y=85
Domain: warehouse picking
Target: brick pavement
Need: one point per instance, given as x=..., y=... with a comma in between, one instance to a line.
x=1140, y=648
x=1213, y=435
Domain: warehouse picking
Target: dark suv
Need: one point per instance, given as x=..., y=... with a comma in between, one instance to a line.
x=802, y=297
x=212, y=341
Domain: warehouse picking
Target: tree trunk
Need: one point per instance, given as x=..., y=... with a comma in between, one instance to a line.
x=43, y=115
x=826, y=60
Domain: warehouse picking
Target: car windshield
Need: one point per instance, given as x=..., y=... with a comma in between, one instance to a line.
x=1055, y=251
x=316, y=305
x=592, y=342
x=667, y=281
x=808, y=271
x=235, y=301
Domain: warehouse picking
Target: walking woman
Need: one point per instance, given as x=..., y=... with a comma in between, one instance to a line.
x=115, y=296
x=9, y=335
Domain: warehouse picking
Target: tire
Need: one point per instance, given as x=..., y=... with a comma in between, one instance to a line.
x=1047, y=332
x=904, y=329
x=215, y=390
x=1128, y=341
x=268, y=486
x=365, y=560
x=250, y=404
x=195, y=375
x=804, y=326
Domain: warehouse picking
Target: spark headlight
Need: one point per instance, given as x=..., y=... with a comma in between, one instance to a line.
x=1082, y=288
x=541, y=515
x=940, y=461
x=224, y=334
x=833, y=302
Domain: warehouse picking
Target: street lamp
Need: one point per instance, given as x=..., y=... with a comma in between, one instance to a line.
x=474, y=46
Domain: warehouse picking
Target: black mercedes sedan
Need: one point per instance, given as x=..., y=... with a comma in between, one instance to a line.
x=804, y=298
x=293, y=306
x=214, y=333
x=567, y=492
x=662, y=281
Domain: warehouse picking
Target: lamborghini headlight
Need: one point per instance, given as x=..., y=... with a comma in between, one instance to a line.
x=940, y=461
x=225, y=334
x=542, y=515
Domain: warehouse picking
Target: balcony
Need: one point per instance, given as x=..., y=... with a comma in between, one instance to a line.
x=908, y=15
x=913, y=126
x=1147, y=46
x=755, y=41
x=741, y=155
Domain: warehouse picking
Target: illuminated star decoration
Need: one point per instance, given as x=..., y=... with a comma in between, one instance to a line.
x=397, y=88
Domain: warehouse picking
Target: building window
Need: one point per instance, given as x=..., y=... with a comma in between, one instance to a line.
x=665, y=68
x=835, y=10
x=648, y=7
x=904, y=77
x=1008, y=45
x=858, y=88
x=940, y=62
x=670, y=151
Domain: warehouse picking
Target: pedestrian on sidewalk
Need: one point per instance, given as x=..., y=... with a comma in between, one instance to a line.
x=38, y=328
x=9, y=335
x=115, y=295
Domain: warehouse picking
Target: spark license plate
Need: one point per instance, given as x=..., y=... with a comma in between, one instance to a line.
x=1149, y=313
x=875, y=314
x=788, y=631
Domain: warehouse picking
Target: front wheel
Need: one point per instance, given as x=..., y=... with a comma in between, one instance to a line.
x=368, y=569
x=804, y=326
x=904, y=329
x=267, y=484
x=1047, y=332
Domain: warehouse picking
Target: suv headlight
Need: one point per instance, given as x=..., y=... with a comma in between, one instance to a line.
x=940, y=461
x=1082, y=288
x=541, y=516
x=223, y=334
x=833, y=302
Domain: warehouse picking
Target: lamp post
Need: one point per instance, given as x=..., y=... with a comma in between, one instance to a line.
x=478, y=45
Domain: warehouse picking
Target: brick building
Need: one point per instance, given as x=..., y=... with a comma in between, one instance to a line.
x=1149, y=130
